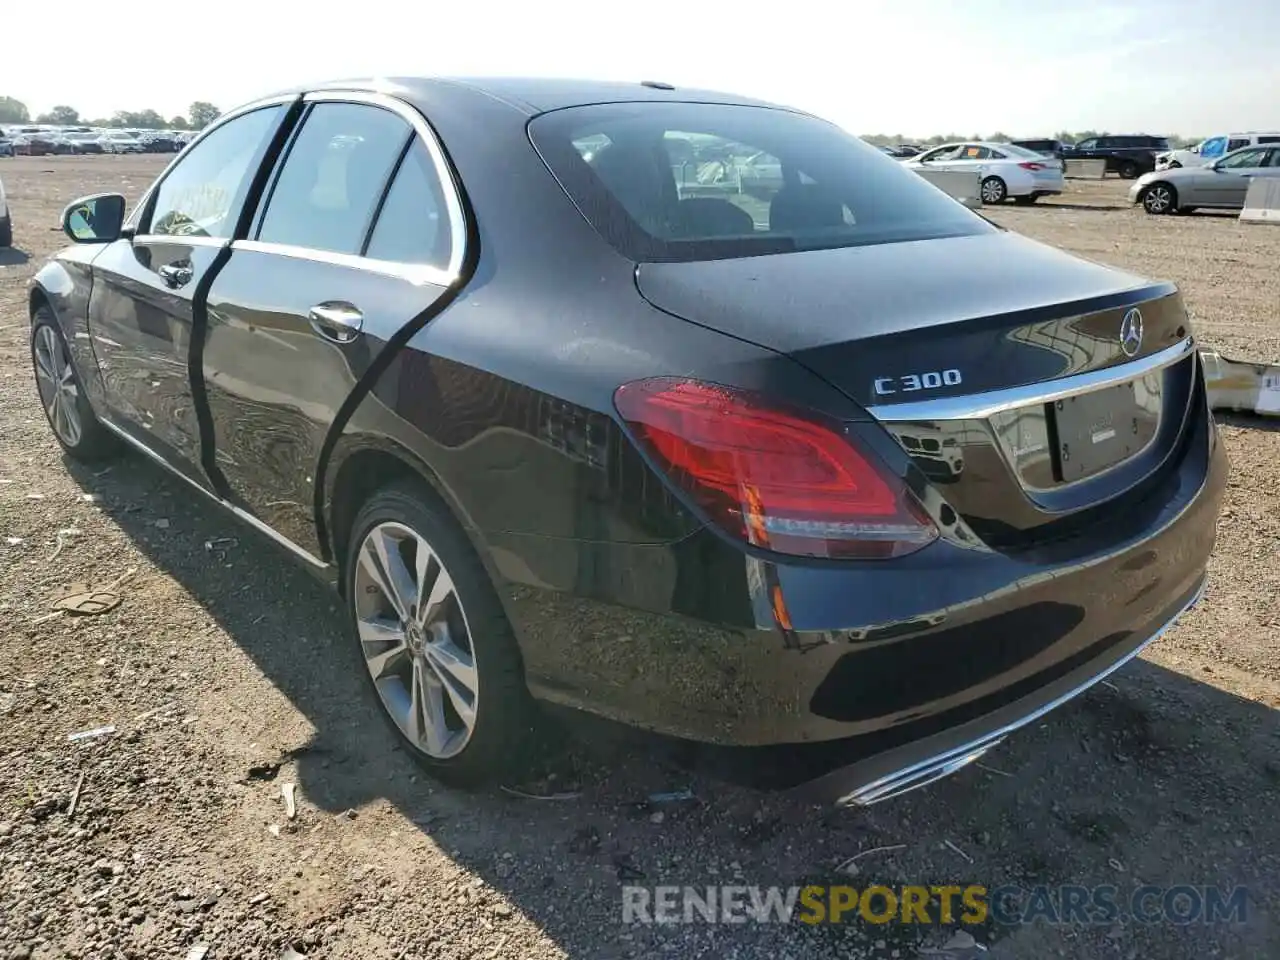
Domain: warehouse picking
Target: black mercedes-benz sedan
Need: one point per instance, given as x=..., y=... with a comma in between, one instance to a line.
x=682, y=409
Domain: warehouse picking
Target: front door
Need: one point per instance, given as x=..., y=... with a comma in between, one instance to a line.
x=1229, y=179
x=141, y=311
x=357, y=238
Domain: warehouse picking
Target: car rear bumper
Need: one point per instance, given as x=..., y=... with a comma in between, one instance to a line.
x=922, y=762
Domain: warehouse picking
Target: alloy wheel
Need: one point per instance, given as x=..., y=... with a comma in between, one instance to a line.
x=1158, y=199
x=415, y=640
x=993, y=190
x=56, y=381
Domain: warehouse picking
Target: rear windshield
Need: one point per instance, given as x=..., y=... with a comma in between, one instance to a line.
x=693, y=181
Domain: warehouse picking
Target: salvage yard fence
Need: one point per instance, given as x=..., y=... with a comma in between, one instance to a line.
x=958, y=184
x=1084, y=169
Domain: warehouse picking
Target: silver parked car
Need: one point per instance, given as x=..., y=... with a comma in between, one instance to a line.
x=1221, y=184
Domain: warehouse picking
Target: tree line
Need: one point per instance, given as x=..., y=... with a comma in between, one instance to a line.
x=202, y=113
x=199, y=115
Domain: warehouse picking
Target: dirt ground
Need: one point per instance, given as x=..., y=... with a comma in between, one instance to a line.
x=222, y=675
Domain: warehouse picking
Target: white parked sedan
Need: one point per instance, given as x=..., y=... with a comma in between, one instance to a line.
x=114, y=141
x=1006, y=170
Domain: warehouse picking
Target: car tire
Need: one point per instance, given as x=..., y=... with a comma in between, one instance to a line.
x=66, y=407
x=993, y=190
x=1159, y=199
x=1174, y=165
x=1128, y=170
x=463, y=645
x=6, y=232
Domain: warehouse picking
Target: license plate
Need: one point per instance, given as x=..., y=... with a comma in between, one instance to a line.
x=1097, y=430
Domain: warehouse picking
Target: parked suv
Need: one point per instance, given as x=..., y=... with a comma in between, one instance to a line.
x=1049, y=147
x=1129, y=155
x=1211, y=148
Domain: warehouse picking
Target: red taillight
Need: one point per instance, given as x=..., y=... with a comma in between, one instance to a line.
x=1032, y=165
x=781, y=480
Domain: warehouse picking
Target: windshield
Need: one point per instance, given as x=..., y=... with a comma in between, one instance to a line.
x=692, y=181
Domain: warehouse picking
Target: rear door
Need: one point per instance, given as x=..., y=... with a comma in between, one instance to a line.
x=141, y=309
x=361, y=232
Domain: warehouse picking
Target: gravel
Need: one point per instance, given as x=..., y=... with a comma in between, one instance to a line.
x=222, y=674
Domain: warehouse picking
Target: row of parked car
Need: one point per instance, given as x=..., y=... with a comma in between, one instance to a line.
x=1129, y=155
x=42, y=141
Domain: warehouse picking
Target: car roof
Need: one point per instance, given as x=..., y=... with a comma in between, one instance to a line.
x=532, y=95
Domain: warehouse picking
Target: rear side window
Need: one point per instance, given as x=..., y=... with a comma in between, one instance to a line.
x=413, y=225
x=1269, y=139
x=333, y=177
x=687, y=181
x=202, y=195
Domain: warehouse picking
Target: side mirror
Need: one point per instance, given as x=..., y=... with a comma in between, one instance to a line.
x=95, y=219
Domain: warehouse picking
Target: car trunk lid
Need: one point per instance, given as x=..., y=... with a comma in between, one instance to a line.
x=960, y=348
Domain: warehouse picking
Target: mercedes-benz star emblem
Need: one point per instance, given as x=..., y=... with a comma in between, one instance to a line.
x=1131, y=332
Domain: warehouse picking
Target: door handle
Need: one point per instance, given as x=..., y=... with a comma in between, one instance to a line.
x=177, y=274
x=337, y=321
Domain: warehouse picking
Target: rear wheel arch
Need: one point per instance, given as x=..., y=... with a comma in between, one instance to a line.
x=358, y=470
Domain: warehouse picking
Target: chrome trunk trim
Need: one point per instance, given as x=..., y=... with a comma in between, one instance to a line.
x=979, y=406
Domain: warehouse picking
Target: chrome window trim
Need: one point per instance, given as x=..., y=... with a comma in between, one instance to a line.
x=979, y=406
x=416, y=273
x=148, y=239
x=448, y=182
x=132, y=220
x=244, y=515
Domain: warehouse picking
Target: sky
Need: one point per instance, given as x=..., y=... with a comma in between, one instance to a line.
x=919, y=67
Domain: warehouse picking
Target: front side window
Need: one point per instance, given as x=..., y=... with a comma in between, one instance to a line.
x=696, y=181
x=1087, y=145
x=1236, y=143
x=202, y=194
x=945, y=152
x=1245, y=158
x=413, y=225
x=333, y=176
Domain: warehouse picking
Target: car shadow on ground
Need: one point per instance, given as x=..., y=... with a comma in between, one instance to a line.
x=13, y=256
x=1068, y=205
x=1152, y=777
x=1249, y=421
